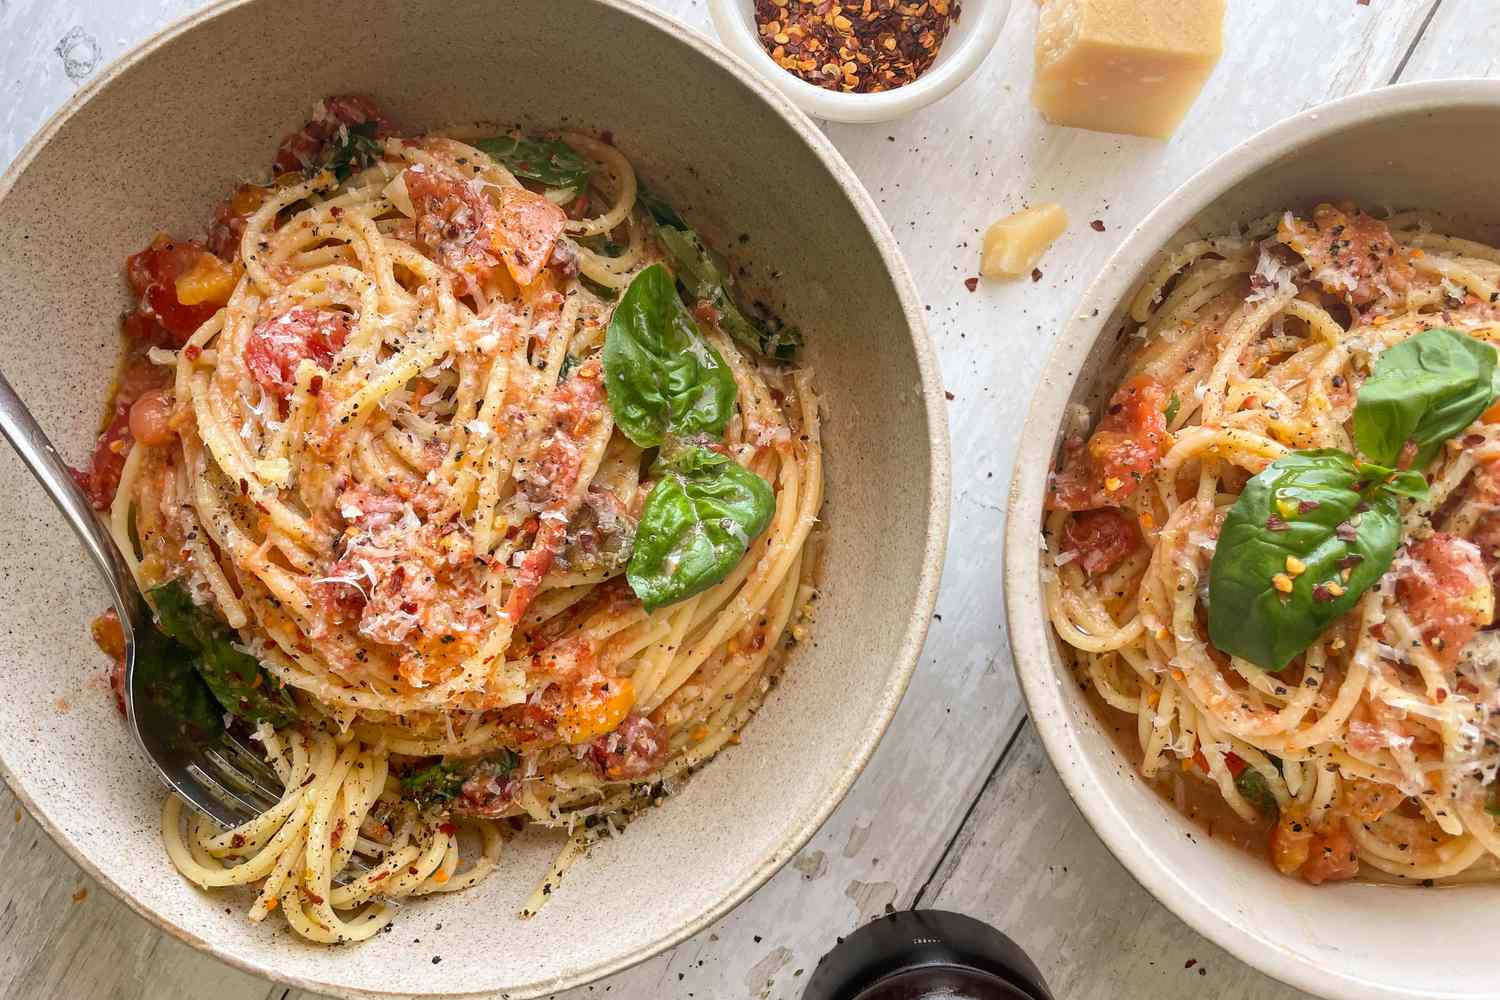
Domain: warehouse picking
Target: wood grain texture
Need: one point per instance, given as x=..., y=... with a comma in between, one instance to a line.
x=940, y=177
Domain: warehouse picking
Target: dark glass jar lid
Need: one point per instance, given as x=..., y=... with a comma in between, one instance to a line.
x=925, y=955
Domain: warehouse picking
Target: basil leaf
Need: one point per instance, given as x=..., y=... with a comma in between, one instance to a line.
x=706, y=278
x=659, y=210
x=355, y=149
x=1252, y=785
x=441, y=782
x=235, y=678
x=697, y=524
x=660, y=375
x=1425, y=390
x=172, y=699
x=1174, y=405
x=1318, y=508
x=550, y=162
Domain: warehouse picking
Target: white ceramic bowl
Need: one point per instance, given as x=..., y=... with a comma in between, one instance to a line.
x=1345, y=940
x=969, y=40
x=163, y=134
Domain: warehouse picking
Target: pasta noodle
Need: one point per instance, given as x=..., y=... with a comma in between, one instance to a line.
x=1373, y=752
x=388, y=462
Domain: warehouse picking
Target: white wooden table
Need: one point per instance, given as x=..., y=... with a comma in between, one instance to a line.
x=959, y=808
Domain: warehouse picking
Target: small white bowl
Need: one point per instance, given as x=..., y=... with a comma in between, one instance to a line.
x=969, y=40
x=1348, y=940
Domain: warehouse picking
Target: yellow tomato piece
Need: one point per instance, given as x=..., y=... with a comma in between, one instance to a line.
x=209, y=281
x=595, y=716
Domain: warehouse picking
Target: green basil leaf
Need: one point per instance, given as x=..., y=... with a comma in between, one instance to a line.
x=660, y=375
x=441, y=782
x=1174, y=405
x=235, y=678
x=1252, y=785
x=353, y=150
x=550, y=162
x=706, y=278
x=697, y=524
x=1426, y=390
x=663, y=213
x=1316, y=507
x=171, y=698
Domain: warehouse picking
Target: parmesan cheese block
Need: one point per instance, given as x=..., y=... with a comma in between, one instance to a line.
x=1013, y=245
x=1132, y=66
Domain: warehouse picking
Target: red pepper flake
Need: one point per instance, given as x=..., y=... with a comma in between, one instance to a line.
x=1036, y=274
x=448, y=828
x=971, y=283
x=860, y=48
x=1190, y=963
x=1097, y=225
x=193, y=352
x=1274, y=523
x=948, y=395
x=315, y=385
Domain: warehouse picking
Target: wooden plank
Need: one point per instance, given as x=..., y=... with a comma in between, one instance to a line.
x=963, y=707
x=65, y=936
x=1028, y=863
x=1458, y=42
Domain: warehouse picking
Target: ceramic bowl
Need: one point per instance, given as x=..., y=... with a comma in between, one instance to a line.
x=969, y=40
x=161, y=136
x=1345, y=940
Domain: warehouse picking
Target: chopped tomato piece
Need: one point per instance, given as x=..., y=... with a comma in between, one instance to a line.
x=1102, y=538
x=149, y=419
x=470, y=236
x=1331, y=856
x=1290, y=842
x=109, y=636
x=1351, y=254
x=553, y=476
x=527, y=233
x=230, y=217
x=1367, y=801
x=300, y=150
x=488, y=791
x=278, y=345
x=154, y=274
x=597, y=713
x=637, y=748
x=1123, y=450
x=101, y=479
x=1446, y=590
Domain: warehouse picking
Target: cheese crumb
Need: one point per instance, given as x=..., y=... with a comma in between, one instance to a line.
x=1013, y=245
x=1132, y=66
x=1295, y=566
x=1282, y=582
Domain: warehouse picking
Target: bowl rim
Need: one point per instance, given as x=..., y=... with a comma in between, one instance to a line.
x=1027, y=625
x=853, y=108
x=912, y=638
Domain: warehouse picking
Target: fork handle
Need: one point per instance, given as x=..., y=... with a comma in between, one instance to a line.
x=31, y=443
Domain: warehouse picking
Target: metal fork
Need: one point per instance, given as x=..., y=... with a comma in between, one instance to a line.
x=213, y=771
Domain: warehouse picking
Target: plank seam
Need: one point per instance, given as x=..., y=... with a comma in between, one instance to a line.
x=963, y=822
x=1416, y=40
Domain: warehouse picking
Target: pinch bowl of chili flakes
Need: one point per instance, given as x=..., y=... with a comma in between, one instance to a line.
x=861, y=60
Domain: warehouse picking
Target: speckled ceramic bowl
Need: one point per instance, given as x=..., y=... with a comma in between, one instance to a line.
x=160, y=136
x=1345, y=940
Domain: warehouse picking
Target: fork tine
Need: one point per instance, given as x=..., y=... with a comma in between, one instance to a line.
x=233, y=808
x=251, y=769
x=233, y=778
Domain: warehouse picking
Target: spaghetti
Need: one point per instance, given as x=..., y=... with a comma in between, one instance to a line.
x=1373, y=751
x=374, y=429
